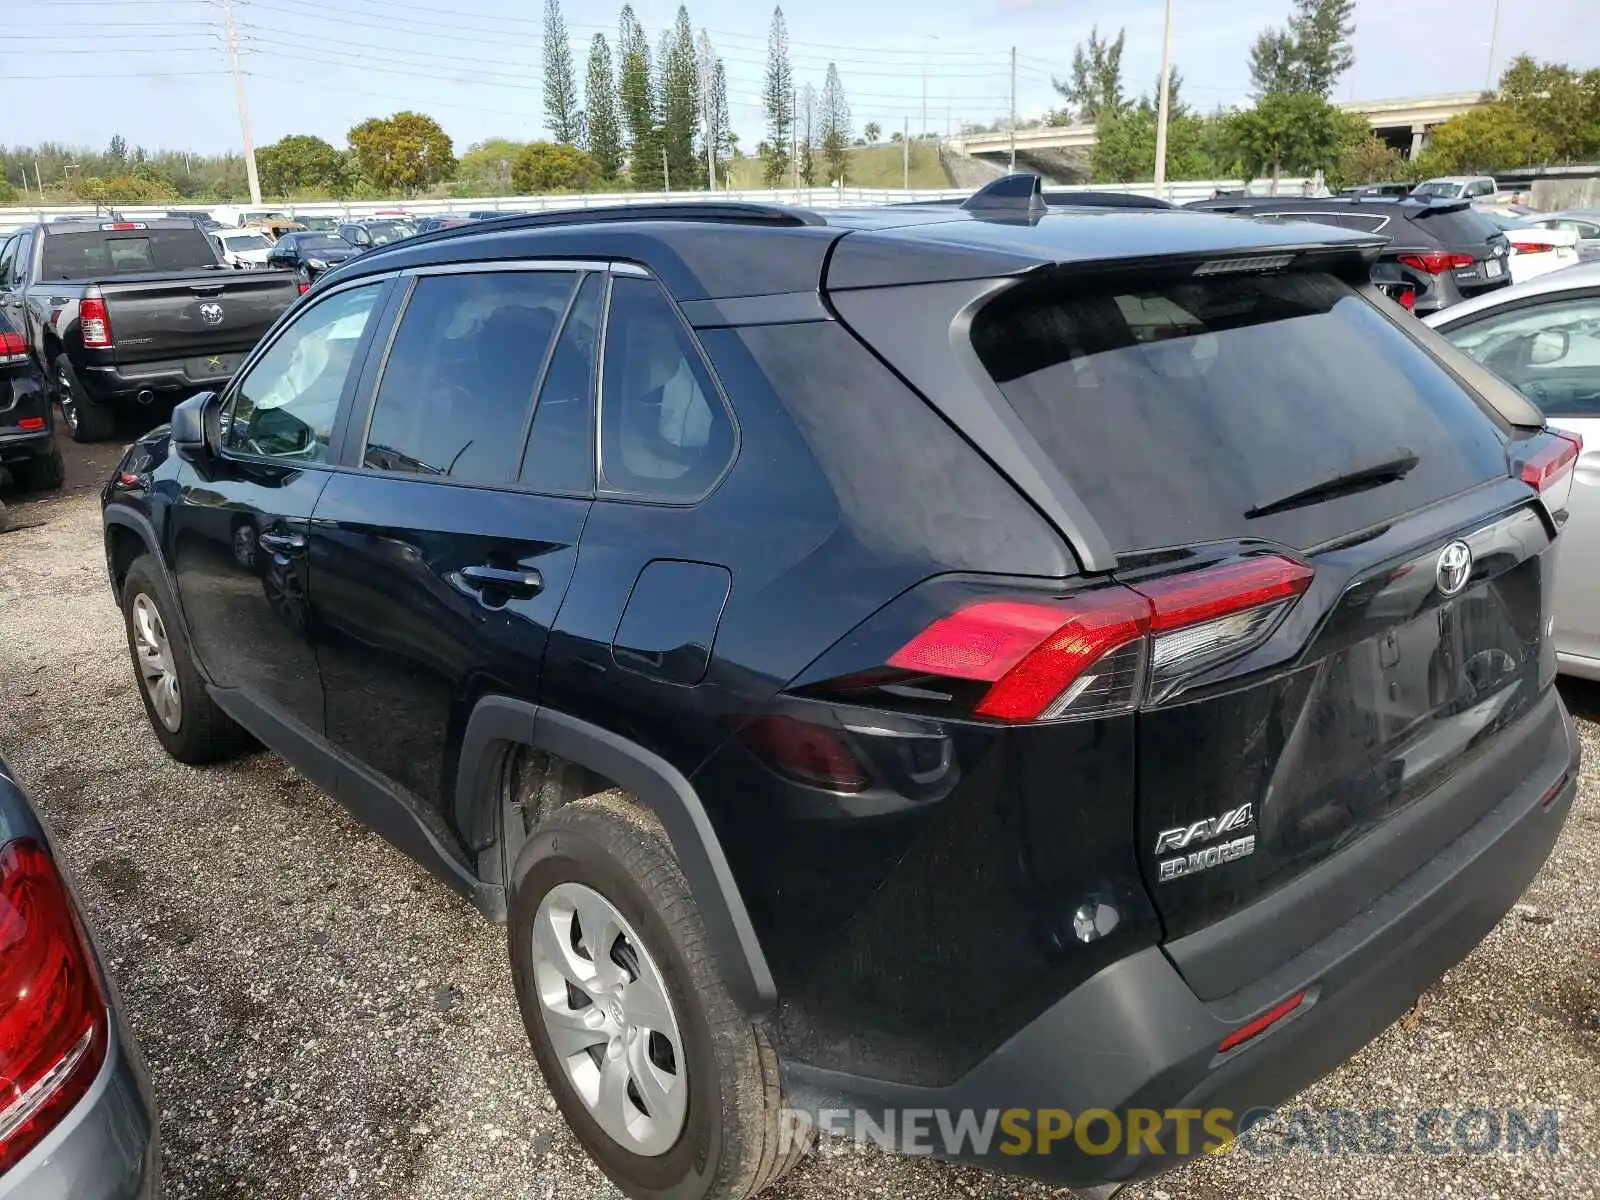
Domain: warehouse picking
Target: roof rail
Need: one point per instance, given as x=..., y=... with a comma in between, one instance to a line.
x=732, y=212
x=1020, y=193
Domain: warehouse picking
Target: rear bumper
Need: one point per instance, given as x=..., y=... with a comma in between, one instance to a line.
x=107, y=1147
x=21, y=445
x=125, y=382
x=1137, y=1037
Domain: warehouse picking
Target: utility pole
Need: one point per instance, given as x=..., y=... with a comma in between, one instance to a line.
x=1494, y=36
x=905, y=152
x=244, y=111
x=794, y=137
x=666, y=172
x=1013, y=109
x=1162, y=104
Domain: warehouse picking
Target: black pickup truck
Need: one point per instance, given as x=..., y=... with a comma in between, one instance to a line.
x=125, y=312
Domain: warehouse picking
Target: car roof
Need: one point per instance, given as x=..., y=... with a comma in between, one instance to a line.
x=1567, y=279
x=93, y=224
x=708, y=251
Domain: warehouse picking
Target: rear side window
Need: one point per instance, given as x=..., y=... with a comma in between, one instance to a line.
x=1180, y=411
x=664, y=430
x=458, y=386
x=1549, y=352
x=560, y=453
x=100, y=252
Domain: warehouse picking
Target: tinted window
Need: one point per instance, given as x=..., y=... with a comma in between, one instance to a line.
x=19, y=266
x=8, y=255
x=1549, y=352
x=285, y=405
x=1176, y=409
x=1464, y=227
x=459, y=382
x=560, y=453
x=664, y=431
x=101, y=252
x=318, y=241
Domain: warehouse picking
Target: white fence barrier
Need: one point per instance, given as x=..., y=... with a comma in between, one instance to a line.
x=1178, y=193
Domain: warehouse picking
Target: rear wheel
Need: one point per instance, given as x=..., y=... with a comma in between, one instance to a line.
x=42, y=474
x=670, y=1087
x=87, y=419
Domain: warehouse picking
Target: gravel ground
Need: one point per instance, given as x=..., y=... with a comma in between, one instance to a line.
x=323, y=1018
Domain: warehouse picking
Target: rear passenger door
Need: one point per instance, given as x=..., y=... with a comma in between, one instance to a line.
x=443, y=553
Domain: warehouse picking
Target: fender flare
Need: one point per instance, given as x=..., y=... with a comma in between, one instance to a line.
x=657, y=784
x=128, y=518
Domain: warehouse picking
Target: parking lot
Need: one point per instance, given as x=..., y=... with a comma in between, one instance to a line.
x=323, y=1018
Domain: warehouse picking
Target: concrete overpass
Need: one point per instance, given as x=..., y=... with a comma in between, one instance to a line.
x=1403, y=123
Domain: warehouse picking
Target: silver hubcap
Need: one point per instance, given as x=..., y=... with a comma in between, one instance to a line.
x=154, y=653
x=606, y=1010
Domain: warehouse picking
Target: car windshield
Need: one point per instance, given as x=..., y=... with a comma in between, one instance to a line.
x=1181, y=411
x=384, y=232
x=319, y=241
x=1437, y=189
x=246, y=241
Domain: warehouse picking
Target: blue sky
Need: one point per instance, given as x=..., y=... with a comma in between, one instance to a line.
x=155, y=71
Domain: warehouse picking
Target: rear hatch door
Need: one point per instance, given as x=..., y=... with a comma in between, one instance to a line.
x=1209, y=419
x=163, y=317
x=1480, y=249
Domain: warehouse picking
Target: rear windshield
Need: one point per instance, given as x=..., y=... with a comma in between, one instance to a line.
x=1198, y=410
x=1438, y=189
x=100, y=252
x=1456, y=226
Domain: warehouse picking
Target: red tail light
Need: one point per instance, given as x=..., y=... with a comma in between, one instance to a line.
x=1408, y=299
x=28, y=424
x=53, y=1019
x=1262, y=1023
x=1437, y=262
x=806, y=751
x=304, y=287
x=1108, y=649
x=1532, y=248
x=1545, y=467
x=94, y=323
x=13, y=349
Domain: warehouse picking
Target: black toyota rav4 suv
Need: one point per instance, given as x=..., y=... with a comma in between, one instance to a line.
x=989, y=658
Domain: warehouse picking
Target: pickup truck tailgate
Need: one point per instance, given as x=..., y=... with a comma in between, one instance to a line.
x=154, y=318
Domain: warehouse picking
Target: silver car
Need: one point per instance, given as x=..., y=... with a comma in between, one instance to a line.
x=1543, y=338
x=1585, y=222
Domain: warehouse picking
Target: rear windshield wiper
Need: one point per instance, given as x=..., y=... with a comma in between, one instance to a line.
x=1375, y=474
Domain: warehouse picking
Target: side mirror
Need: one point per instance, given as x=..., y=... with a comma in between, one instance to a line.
x=1549, y=346
x=197, y=424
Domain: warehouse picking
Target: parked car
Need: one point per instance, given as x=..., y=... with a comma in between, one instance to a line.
x=1535, y=250
x=244, y=251
x=30, y=460
x=76, y=1117
x=123, y=312
x=272, y=230
x=489, y=214
x=1377, y=189
x=365, y=234
x=1443, y=250
x=1543, y=338
x=1582, y=222
x=1457, y=187
x=205, y=220
x=310, y=254
x=320, y=224
x=1131, y=692
x=442, y=221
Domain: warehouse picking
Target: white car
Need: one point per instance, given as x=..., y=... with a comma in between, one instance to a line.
x=1457, y=187
x=1535, y=249
x=1543, y=338
x=243, y=251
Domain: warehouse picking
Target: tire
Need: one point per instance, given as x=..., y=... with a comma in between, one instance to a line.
x=734, y=1138
x=87, y=419
x=187, y=723
x=42, y=474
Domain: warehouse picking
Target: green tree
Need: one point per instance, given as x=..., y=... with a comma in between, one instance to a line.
x=1309, y=55
x=406, y=152
x=542, y=167
x=1125, y=148
x=1289, y=131
x=485, y=168
x=1175, y=105
x=1366, y=159
x=561, y=111
x=1562, y=103
x=727, y=141
x=8, y=192
x=637, y=93
x=299, y=162
x=835, y=125
x=680, y=104
x=604, y=131
x=117, y=151
x=873, y=132
x=1096, y=85
x=714, y=105
x=806, y=133
x=1493, y=137
x=778, y=99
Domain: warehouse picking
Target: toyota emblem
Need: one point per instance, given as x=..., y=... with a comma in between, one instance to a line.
x=1453, y=568
x=211, y=313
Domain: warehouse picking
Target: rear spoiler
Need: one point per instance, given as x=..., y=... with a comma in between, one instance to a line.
x=1431, y=208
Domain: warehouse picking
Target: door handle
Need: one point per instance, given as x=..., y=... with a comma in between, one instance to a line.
x=521, y=584
x=283, y=543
